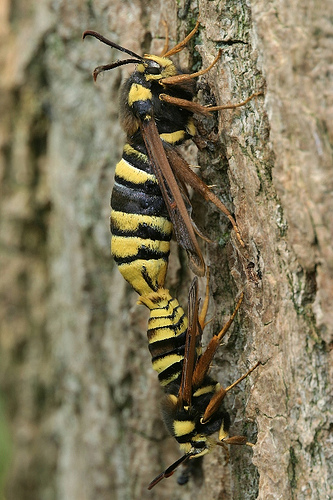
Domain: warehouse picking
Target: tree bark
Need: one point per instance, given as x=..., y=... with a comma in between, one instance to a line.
x=81, y=398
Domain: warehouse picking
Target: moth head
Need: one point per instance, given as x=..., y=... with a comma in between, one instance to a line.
x=181, y=421
x=156, y=68
x=184, y=424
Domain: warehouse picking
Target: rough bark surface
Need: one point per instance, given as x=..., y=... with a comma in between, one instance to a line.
x=80, y=395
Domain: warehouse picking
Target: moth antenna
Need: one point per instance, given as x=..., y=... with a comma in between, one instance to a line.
x=108, y=42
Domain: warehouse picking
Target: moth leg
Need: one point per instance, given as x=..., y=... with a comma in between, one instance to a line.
x=195, y=107
x=206, y=358
x=226, y=450
x=216, y=400
x=204, y=309
x=224, y=439
x=175, y=80
x=177, y=48
x=235, y=105
x=237, y=440
x=183, y=171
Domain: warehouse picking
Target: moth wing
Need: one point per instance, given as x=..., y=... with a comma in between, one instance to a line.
x=172, y=196
x=192, y=336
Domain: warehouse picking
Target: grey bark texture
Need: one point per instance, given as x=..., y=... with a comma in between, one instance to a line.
x=80, y=397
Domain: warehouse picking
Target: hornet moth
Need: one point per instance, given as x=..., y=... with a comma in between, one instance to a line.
x=192, y=408
x=150, y=197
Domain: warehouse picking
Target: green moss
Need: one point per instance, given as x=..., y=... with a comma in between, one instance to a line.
x=223, y=239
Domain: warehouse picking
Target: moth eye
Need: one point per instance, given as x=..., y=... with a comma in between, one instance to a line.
x=153, y=70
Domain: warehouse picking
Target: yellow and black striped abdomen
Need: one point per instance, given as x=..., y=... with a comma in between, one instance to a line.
x=167, y=327
x=140, y=225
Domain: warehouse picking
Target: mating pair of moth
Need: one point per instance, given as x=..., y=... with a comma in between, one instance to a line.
x=149, y=203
